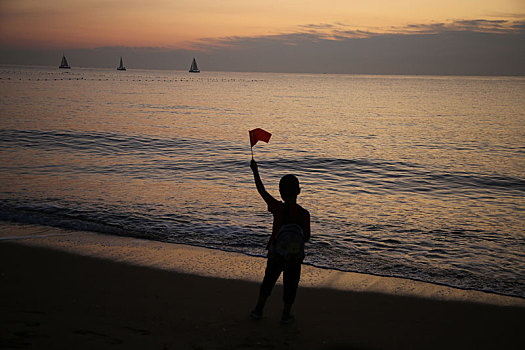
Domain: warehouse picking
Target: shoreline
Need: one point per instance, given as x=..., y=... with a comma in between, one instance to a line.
x=216, y=263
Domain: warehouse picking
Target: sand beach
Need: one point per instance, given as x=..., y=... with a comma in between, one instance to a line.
x=66, y=289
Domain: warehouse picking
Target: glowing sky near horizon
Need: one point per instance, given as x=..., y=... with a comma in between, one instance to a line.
x=174, y=24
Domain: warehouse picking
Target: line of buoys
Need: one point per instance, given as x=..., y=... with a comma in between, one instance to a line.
x=213, y=80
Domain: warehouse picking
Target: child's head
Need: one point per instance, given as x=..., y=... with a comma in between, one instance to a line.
x=289, y=187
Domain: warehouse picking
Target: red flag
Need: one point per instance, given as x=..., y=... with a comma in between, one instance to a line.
x=259, y=135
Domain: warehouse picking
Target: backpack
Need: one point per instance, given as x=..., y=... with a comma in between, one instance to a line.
x=289, y=243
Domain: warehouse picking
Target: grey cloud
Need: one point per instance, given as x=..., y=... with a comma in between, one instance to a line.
x=461, y=47
x=353, y=34
x=318, y=26
x=463, y=52
x=477, y=25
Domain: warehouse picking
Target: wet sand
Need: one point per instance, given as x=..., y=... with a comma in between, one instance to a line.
x=59, y=292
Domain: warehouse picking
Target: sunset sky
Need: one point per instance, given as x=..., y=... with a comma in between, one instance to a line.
x=205, y=25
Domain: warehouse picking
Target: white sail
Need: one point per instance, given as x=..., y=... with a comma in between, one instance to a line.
x=64, y=63
x=121, y=66
x=194, y=68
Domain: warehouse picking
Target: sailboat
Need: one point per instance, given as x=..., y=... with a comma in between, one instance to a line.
x=64, y=63
x=193, y=68
x=121, y=67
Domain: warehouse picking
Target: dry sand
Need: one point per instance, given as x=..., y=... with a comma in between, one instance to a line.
x=62, y=290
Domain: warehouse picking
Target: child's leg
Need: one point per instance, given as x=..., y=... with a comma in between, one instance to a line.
x=291, y=276
x=271, y=274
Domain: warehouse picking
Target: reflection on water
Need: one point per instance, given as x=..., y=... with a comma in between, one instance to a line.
x=418, y=177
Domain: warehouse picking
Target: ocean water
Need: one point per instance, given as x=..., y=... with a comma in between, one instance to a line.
x=421, y=177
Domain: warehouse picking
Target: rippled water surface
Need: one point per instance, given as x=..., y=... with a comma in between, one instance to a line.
x=417, y=177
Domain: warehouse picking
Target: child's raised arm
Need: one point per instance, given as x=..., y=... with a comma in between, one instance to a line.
x=258, y=183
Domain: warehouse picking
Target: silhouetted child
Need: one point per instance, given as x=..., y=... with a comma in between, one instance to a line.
x=285, y=251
